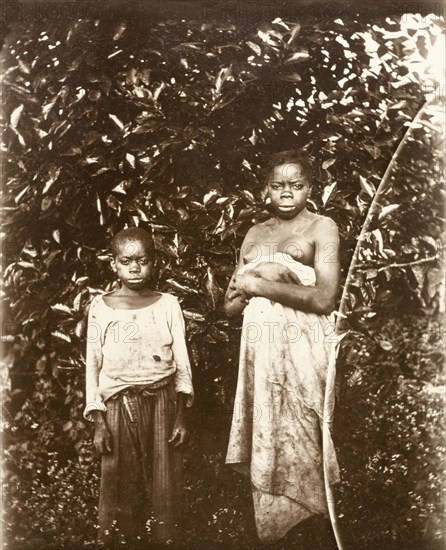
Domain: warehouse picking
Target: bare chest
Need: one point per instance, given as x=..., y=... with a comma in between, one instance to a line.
x=135, y=302
x=267, y=242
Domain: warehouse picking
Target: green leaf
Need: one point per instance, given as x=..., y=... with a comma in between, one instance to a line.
x=294, y=33
x=193, y=315
x=386, y=345
x=256, y=49
x=297, y=57
x=15, y=116
x=290, y=77
x=327, y=163
x=329, y=192
x=373, y=150
x=386, y=210
x=367, y=186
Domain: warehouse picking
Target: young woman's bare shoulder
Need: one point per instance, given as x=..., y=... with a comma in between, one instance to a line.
x=257, y=230
x=323, y=224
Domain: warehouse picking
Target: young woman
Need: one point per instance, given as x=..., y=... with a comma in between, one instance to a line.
x=286, y=284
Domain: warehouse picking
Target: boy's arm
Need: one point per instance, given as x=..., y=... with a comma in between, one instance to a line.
x=183, y=373
x=320, y=298
x=102, y=438
x=179, y=432
x=95, y=407
x=182, y=376
x=93, y=362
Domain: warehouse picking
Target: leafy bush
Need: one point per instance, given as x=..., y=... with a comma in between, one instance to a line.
x=393, y=449
x=52, y=500
x=165, y=124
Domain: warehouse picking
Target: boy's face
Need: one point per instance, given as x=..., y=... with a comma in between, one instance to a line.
x=133, y=264
x=288, y=190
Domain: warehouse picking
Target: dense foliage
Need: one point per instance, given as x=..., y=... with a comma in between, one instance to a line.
x=167, y=124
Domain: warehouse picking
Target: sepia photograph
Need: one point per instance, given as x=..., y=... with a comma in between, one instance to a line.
x=223, y=278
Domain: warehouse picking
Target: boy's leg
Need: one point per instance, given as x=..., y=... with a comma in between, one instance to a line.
x=166, y=467
x=122, y=503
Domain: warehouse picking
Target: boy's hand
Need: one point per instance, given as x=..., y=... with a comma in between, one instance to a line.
x=102, y=439
x=179, y=433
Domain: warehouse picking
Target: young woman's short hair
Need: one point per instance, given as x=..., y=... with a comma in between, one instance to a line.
x=292, y=156
x=132, y=234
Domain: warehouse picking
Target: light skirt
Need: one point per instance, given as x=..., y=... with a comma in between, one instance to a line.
x=279, y=413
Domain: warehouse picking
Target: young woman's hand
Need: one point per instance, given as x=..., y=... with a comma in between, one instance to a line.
x=235, y=298
x=234, y=293
x=246, y=282
x=274, y=271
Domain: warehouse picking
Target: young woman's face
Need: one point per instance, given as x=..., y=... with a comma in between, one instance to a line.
x=133, y=264
x=288, y=190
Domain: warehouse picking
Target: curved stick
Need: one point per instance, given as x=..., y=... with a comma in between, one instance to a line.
x=374, y=206
x=331, y=371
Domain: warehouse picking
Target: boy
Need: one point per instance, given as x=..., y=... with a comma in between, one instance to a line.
x=138, y=382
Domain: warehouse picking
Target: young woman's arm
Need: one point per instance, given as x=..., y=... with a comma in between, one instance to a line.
x=320, y=298
x=235, y=298
x=277, y=272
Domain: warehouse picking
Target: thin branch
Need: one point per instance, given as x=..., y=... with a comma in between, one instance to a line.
x=407, y=264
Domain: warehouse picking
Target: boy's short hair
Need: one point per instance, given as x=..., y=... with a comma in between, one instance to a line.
x=132, y=234
x=293, y=156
